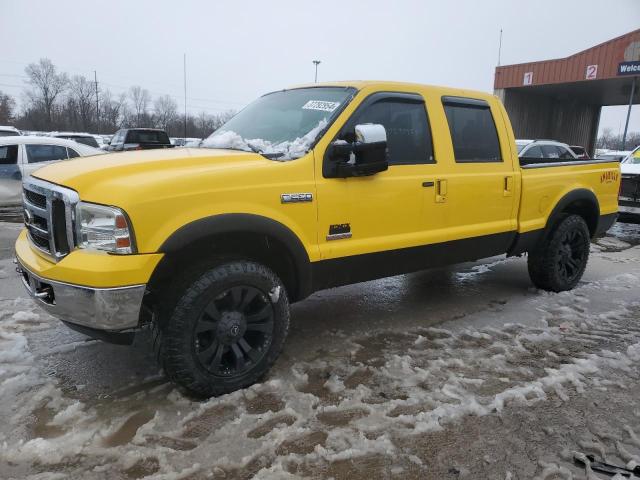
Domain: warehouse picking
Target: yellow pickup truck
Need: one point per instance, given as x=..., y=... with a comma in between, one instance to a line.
x=305, y=189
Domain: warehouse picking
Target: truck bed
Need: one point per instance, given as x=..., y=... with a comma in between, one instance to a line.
x=544, y=184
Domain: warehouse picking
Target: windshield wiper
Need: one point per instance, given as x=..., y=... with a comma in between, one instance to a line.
x=254, y=149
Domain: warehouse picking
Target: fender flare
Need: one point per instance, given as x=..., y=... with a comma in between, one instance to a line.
x=578, y=195
x=525, y=242
x=245, y=223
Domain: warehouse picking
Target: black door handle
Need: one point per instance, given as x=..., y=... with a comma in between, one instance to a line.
x=428, y=184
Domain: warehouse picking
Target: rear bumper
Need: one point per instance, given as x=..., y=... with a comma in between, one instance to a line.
x=107, y=309
x=605, y=222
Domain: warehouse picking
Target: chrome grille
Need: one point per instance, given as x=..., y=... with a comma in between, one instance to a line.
x=35, y=198
x=49, y=215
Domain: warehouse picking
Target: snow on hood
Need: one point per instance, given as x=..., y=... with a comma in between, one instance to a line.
x=287, y=150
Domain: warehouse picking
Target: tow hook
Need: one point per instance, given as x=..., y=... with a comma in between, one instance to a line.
x=43, y=293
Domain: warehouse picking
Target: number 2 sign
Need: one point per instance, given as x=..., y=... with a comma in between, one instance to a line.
x=592, y=72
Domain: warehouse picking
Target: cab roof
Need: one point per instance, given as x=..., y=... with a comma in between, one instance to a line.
x=385, y=85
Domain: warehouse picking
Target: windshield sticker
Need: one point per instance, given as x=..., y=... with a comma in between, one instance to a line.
x=321, y=105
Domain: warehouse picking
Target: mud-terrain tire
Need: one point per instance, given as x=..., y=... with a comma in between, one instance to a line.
x=558, y=262
x=225, y=330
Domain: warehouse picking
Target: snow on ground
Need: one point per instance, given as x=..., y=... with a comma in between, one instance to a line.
x=508, y=388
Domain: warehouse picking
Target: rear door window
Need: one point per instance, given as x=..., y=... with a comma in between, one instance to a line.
x=551, y=151
x=473, y=131
x=8, y=154
x=533, y=152
x=565, y=154
x=45, y=153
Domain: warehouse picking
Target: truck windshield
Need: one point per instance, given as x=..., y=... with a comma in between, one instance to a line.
x=282, y=125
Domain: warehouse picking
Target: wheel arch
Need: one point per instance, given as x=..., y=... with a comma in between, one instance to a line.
x=249, y=236
x=582, y=202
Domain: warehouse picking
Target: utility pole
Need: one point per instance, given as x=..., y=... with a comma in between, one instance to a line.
x=500, y=47
x=185, y=95
x=626, y=125
x=316, y=63
x=95, y=77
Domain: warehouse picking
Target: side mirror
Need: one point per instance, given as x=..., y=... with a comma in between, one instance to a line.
x=366, y=156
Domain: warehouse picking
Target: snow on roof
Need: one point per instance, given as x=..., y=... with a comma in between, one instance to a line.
x=75, y=134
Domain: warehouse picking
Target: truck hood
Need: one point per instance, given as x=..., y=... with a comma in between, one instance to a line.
x=143, y=166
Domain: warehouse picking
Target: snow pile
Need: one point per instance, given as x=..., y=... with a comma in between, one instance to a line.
x=354, y=408
x=287, y=150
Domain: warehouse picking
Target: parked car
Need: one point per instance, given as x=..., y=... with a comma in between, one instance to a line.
x=629, y=201
x=616, y=155
x=548, y=149
x=22, y=155
x=8, y=131
x=139, y=139
x=580, y=152
x=185, y=142
x=84, y=138
x=305, y=189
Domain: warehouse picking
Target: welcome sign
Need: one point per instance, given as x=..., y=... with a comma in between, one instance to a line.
x=629, y=68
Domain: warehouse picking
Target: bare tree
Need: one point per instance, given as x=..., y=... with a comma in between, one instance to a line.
x=140, y=98
x=165, y=111
x=46, y=86
x=7, y=106
x=82, y=93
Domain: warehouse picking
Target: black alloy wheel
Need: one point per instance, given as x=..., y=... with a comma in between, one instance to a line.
x=225, y=328
x=234, y=331
x=558, y=262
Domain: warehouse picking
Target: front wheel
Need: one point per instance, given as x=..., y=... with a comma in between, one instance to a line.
x=558, y=262
x=226, y=330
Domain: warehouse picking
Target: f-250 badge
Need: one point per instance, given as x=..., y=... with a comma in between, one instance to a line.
x=296, y=197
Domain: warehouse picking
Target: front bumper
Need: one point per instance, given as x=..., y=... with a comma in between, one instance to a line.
x=106, y=309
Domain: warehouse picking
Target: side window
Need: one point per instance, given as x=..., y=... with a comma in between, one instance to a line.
x=45, y=153
x=404, y=117
x=8, y=154
x=565, y=154
x=533, y=152
x=473, y=131
x=550, y=151
x=72, y=153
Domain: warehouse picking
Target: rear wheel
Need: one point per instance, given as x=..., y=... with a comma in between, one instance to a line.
x=559, y=261
x=226, y=330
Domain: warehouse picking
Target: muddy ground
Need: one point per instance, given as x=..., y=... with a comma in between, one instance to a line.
x=465, y=372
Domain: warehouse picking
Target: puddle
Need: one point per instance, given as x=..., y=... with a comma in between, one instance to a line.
x=129, y=428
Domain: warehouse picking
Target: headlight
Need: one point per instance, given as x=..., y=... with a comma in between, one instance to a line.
x=103, y=228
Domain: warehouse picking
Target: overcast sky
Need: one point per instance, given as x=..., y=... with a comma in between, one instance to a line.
x=237, y=50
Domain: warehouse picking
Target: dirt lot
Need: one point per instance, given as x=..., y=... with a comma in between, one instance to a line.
x=466, y=372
